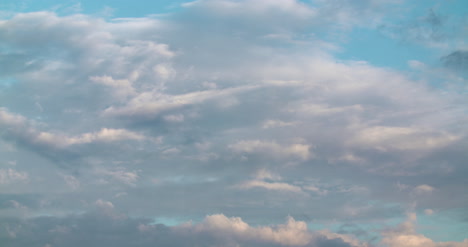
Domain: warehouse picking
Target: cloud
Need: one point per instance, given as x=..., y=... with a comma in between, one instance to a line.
x=103, y=228
x=406, y=236
x=315, y=189
x=298, y=150
x=12, y=176
x=267, y=180
x=384, y=137
x=120, y=174
x=71, y=181
x=266, y=174
x=293, y=233
x=123, y=88
x=423, y=189
x=151, y=104
x=457, y=60
x=428, y=211
x=277, y=123
x=19, y=127
x=428, y=30
x=284, y=187
x=216, y=96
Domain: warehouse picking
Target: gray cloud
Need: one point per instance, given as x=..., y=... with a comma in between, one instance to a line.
x=177, y=116
x=457, y=60
x=103, y=227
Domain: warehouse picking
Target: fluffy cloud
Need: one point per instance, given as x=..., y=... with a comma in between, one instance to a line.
x=214, y=230
x=107, y=227
x=406, y=236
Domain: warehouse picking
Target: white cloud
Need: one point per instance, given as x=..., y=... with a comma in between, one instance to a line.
x=277, y=123
x=255, y=7
x=263, y=173
x=316, y=109
x=11, y=176
x=17, y=205
x=150, y=104
x=298, y=150
x=404, y=138
x=107, y=208
x=428, y=211
x=293, y=233
x=19, y=127
x=174, y=118
x=104, y=135
x=104, y=204
x=423, y=189
x=316, y=189
x=71, y=181
x=284, y=187
x=405, y=235
x=266, y=91
x=8, y=119
x=123, y=88
x=120, y=174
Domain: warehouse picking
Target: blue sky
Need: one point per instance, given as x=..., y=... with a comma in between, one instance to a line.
x=233, y=123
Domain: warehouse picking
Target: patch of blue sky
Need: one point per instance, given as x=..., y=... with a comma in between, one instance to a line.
x=377, y=49
x=423, y=31
x=364, y=231
x=441, y=226
x=416, y=9
x=7, y=82
x=113, y=8
x=454, y=7
x=168, y=221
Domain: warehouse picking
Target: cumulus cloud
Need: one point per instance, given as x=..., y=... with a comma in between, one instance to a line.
x=214, y=230
x=405, y=235
x=293, y=233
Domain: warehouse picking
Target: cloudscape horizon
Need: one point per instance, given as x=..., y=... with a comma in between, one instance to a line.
x=234, y=123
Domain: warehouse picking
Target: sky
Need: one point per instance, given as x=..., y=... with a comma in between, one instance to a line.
x=326, y=123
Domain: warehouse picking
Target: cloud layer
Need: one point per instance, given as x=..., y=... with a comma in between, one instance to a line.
x=238, y=108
